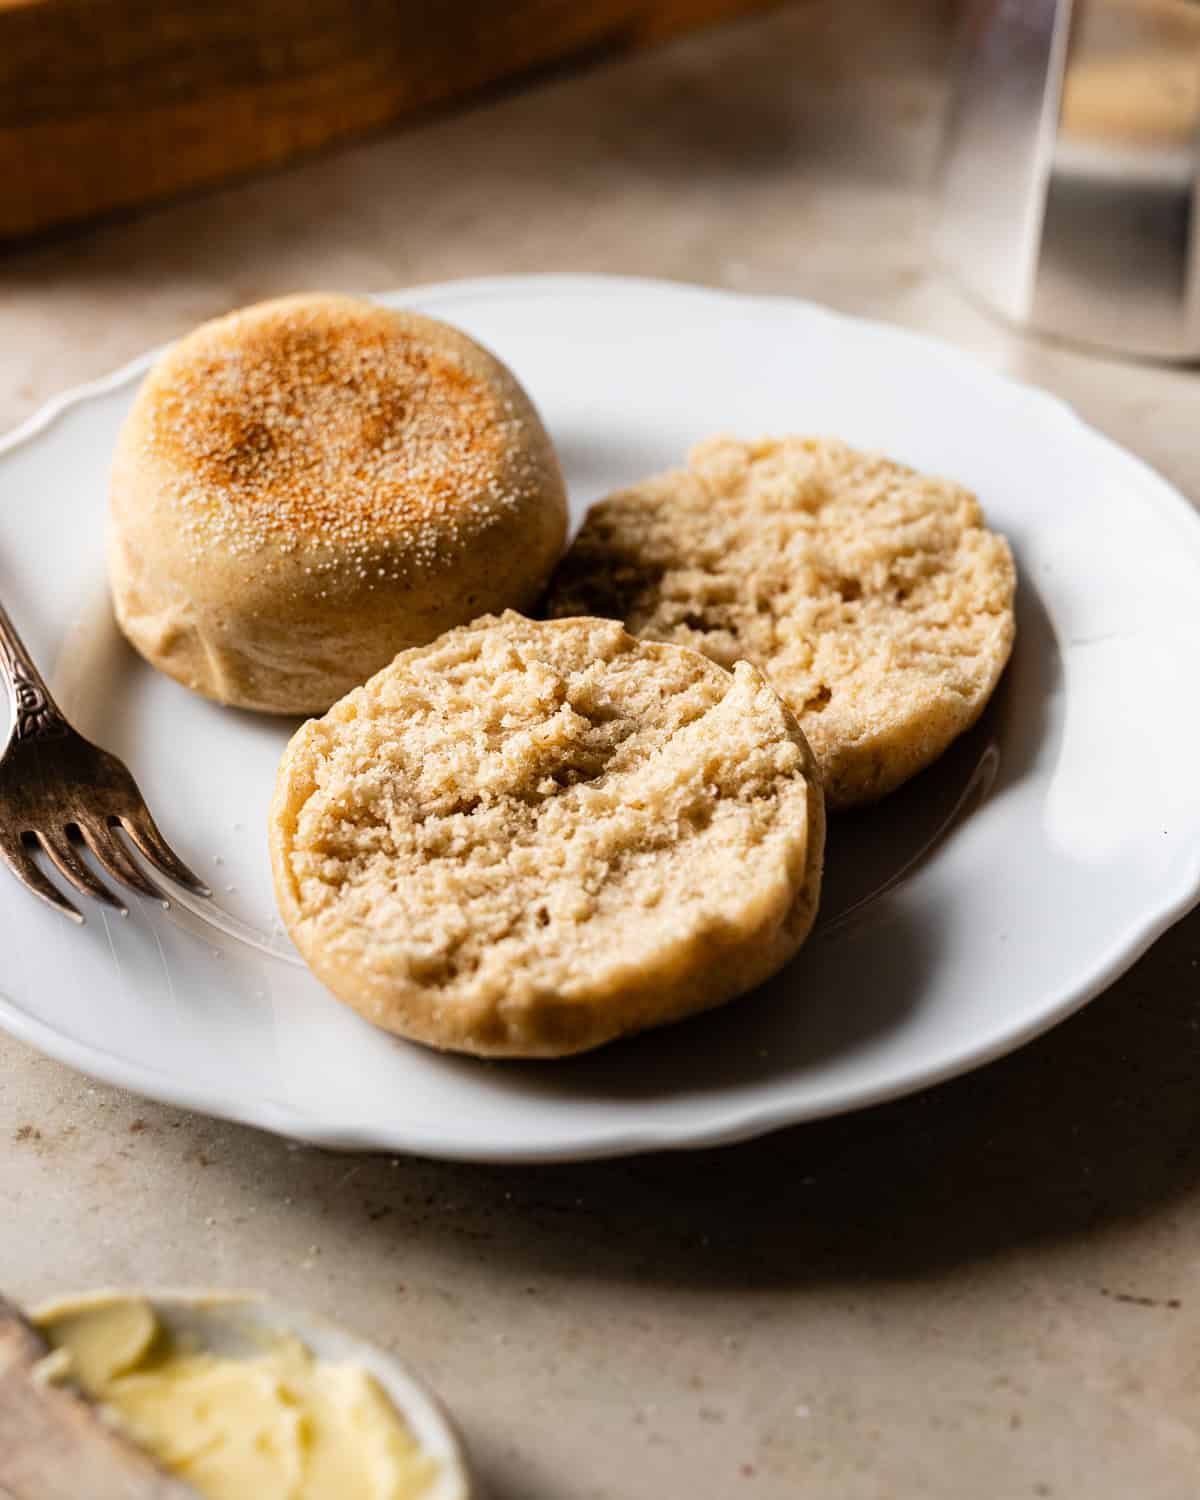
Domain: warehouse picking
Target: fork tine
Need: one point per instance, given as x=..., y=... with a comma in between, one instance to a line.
x=112, y=856
x=17, y=857
x=73, y=869
x=141, y=828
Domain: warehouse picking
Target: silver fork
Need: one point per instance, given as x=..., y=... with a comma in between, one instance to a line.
x=58, y=790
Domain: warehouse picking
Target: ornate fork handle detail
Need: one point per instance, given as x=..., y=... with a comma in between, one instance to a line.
x=37, y=714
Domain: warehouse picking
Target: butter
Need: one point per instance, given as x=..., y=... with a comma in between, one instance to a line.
x=279, y=1424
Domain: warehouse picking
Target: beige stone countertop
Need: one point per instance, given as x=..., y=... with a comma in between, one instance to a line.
x=989, y=1290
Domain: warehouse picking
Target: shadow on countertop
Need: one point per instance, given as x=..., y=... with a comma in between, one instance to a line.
x=1093, y=1124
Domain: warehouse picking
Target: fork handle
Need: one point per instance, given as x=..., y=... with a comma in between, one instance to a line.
x=36, y=715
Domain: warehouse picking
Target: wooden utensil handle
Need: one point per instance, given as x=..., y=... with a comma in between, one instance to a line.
x=53, y=1445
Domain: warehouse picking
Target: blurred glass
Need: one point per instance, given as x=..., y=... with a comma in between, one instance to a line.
x=1069, y=192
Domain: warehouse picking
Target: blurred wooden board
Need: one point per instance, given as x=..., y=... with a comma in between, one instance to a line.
x=108, y=103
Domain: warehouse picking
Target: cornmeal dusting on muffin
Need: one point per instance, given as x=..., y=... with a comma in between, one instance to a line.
x=873, y=597
x=331, y=429
x=304, y=488
x=530, y=837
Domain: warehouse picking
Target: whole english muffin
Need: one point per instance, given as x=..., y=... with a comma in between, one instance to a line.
x=872, y=596
x=531, y=837
x=308, y=486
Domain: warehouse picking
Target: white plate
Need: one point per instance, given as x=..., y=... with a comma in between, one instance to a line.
x=1059, y=839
